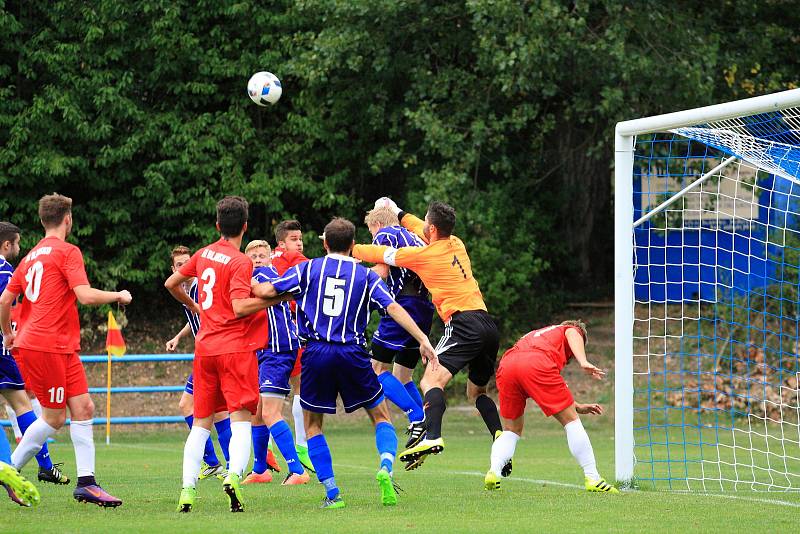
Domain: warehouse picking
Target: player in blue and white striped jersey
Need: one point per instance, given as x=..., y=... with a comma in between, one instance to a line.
x=335, y=296
x=275, y=364
x=12, y=386
x=211, y=464
x=391, y=343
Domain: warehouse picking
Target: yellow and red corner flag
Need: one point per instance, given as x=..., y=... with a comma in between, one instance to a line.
x=115, y=345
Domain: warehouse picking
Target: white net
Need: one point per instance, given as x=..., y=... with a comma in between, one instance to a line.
x=716, y=313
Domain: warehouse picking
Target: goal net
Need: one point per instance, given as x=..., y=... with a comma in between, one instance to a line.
x=708, y=300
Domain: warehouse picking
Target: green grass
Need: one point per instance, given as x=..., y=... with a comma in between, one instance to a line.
x=446, y=494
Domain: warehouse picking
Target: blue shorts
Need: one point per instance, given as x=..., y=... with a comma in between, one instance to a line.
x=274, y=369
x=393, y=336
x=331, y=370
x=189, y=385
x=10, y=377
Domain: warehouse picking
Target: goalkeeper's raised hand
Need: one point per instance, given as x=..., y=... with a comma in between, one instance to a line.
x=386, y=202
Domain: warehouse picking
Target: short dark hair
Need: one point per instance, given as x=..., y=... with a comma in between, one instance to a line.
x=442, y=216
x=180, y=250
x=231, y=215
x=53, y=208
x=284, y=227
x=8, y=232
x=339, y=234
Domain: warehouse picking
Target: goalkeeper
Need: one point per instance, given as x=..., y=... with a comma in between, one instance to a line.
x=532, y=369
x=470, y=336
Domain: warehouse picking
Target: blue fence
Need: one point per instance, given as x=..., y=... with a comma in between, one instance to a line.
x=134, y=358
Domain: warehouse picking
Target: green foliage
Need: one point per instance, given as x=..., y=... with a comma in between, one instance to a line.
x=503, y=108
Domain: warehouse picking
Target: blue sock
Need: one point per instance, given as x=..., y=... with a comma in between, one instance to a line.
x=285, y=441
x=5, y=448
x=397, y=393
x=260, y=444
x=320, y=456
x=209, y=454
x=386, y=442
x=43, y=456
x=413, y=392
x=224, y=437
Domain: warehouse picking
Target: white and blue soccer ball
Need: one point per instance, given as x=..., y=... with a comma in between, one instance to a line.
x=264, y=88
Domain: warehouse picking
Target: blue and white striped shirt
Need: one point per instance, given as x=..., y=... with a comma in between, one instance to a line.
x=399, y=237
x=334, y=296
x=282, y=329
x=6, y=270
x=192, y=318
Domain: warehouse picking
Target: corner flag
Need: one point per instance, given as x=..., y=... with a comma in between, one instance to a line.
x=115, y=345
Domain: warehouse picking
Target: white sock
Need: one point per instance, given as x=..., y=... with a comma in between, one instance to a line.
x=299, y=425
x=503, y=450
x=83, y=443
x=37, y=407
x=581, y=448
x=193, y=455
x=12, y=416
x=239, y=449
x=31, y=443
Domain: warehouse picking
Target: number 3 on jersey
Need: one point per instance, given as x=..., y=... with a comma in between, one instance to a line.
x=34, y=279
x=333, y=298
x=209, y=277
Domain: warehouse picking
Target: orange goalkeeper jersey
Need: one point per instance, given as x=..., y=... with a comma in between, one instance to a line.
x=443, y=266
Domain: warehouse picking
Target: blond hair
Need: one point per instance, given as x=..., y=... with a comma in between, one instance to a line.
x=580, y=325
x=382, y=217
x=256, y=243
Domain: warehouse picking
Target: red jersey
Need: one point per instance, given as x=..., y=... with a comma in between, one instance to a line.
x=552, y=341
x=283, y=259
x=47, y=276
x=223, y=274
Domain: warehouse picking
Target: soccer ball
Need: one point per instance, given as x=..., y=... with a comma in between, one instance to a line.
x=264, y=88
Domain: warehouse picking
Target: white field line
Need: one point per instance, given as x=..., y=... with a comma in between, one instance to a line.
x=538, y=482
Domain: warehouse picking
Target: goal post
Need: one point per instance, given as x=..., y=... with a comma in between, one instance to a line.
x=707, y=283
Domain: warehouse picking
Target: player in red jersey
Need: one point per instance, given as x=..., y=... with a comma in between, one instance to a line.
x=288, y=253
x=233, y=327
x=532, y=369
x=53, y=277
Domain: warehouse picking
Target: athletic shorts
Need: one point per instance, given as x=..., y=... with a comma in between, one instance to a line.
x=225, y=382
x=331, y=370
x=189, y=387
x=298, y=365
x=274, y=369
x=470, y=339
x=530, y=374
x=10, y=375
x=391, y=342
x=52, y=377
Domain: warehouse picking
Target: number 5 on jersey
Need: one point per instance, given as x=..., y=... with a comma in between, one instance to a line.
x=333, y=298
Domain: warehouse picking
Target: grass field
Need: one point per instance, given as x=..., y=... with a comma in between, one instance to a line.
x=446, y=494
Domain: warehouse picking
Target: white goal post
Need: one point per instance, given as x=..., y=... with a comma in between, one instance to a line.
x=705, y=227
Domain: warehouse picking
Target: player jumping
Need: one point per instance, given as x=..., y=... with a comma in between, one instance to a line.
x=390, y=341
x=335, y=296
x=225, y=368
x=211, y=465
x=53, y=277
x=470, y=334
x=532, y=369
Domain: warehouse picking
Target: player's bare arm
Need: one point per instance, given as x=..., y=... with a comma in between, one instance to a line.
x=249, y=306
x=265, y=290
x=576, y=344
x=404, y=319
x=89, y=296
x=6, y=299
x=173, y=285
x=589, y=409
x=172, y=344
x=381, y=269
